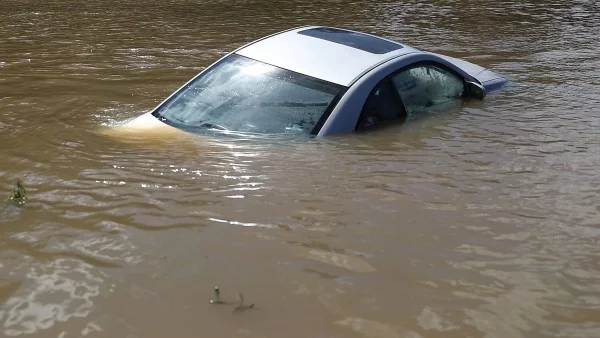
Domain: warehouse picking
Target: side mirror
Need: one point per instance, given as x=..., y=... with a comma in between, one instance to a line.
x=475, y=90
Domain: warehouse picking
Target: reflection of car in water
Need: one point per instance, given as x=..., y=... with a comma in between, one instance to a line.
x=319, y=81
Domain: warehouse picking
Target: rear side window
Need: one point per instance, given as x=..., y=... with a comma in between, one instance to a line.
x=426, y=86
x=381, y=107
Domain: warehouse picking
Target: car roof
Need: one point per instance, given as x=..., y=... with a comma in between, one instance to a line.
x=332, y=54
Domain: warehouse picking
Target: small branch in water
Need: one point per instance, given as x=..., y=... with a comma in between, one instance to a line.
x=241, y=306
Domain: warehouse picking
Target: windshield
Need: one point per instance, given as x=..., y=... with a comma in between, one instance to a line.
x=241, y=94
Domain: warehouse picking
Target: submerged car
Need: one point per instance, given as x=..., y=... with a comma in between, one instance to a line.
x=320, y=81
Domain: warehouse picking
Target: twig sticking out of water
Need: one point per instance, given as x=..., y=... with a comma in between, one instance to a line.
x=241, y=306
x=18, y=195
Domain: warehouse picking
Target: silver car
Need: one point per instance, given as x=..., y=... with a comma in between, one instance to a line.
x=320, y=81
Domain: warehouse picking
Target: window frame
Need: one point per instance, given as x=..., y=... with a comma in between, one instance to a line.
x=388, y=78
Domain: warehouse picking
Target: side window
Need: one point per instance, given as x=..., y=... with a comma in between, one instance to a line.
x=427, y=85
x=382, y=105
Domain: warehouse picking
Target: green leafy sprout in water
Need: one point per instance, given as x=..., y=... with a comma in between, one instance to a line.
x=18, y=195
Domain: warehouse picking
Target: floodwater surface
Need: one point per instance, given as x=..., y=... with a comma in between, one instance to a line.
x=480, y=222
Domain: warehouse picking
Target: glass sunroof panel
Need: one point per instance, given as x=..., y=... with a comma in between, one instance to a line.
x=364, y=42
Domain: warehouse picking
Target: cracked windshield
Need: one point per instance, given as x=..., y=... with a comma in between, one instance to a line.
x=225, y=215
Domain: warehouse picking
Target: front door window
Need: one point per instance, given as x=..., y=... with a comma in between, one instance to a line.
x=425, y=86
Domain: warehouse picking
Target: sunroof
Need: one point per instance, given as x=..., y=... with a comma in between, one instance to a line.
x=357, y=40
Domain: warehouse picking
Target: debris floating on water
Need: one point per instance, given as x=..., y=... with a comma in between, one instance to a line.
x=240, y=307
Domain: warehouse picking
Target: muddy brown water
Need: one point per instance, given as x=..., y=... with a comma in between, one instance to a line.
x=482, y=222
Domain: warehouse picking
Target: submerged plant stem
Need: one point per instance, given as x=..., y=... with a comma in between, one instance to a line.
x=18, y=195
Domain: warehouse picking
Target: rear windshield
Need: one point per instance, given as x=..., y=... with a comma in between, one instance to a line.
x=364, y=42
x=244, y=95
